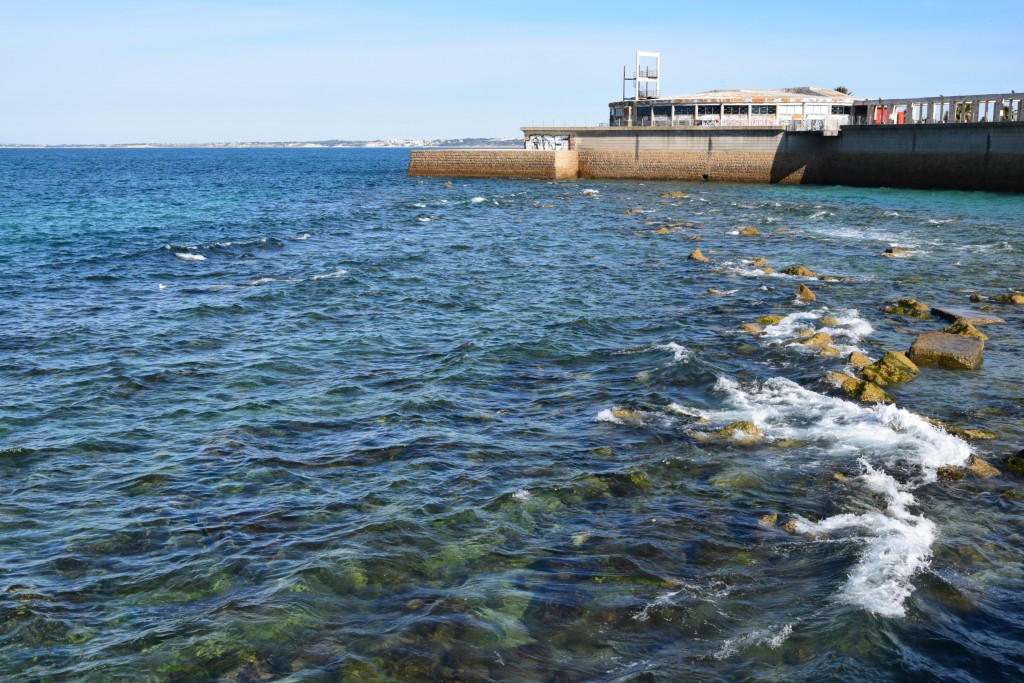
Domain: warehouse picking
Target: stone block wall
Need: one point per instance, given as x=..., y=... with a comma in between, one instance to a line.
x=493, y=163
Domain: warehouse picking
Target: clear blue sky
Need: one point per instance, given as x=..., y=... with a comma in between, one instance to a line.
x=206, y=71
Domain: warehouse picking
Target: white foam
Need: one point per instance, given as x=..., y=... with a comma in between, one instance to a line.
x=850, y=329
x=477, y=200
x=770, y=637
x=185, y=256
x=423, y=219
x=262, y=281
x=607, y=415
x=328, y=276
x=589, y=192
x=419, y=205
x=522, y=494
x=680, y=354
x=303, y=236
x=896, y=543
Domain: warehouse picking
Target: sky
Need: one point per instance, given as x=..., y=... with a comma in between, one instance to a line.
x=178, y=71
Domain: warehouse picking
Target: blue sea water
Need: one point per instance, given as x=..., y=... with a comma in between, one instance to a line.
x=291, y=415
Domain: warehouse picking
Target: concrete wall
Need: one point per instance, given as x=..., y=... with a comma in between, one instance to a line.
x=950, y=156
x=493, y=163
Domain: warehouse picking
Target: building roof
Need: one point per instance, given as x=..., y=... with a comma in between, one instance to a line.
x=799, y=94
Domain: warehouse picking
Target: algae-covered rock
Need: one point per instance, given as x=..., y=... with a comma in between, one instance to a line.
x=894, y=252
x=759, y=262
x=858, y=360
x=768, y=520
x=828, y=351
x=1015, y=298
x=696, y=255
x=947, y=350
x=819, y=340
x=448, y=185
x=673, y=195
x=627, y=415
x=753, y=328
x=981, y=468
x=804, y=293
x=949, y=473
x=798, y=270
x=737, y=479
x=892, y=368
x=749, y=231
x=963, y=327
x=971, y=434
x=790, y=526
x=909, y=307
x=767, y=270
x=829, y=320
x=862, y=390
x=1015, y=463
x=739, y=432
x=662, y=231
x=770, y=319
x=830, y=278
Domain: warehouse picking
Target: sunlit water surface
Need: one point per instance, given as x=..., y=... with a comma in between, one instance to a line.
x=291, y=415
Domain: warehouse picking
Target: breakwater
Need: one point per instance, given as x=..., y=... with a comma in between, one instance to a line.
x=948, y=156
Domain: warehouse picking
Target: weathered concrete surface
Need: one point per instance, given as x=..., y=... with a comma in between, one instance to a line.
x=969, y=314
x=977, y=156
x=947, y=350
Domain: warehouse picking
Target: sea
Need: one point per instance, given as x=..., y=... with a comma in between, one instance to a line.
x=291, y=415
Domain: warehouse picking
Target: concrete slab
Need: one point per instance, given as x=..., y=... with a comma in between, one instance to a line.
x=947, y=350
x=969, y=314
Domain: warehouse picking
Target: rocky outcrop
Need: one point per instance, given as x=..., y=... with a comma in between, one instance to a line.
x=858, y=360
x=770, y=319
x=804, y=293
x=947, y=350
x=1014, y=298
x=895, y=252
x=696, y=255
x=963, y=327
x=981, y=468
x=673, y=195
x=908, y=307
x=892, y=368
x=749, y=231
x=799, y=271
x=860, y=389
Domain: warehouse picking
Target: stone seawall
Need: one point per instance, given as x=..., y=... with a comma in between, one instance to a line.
x=494, y=163
x=944, y=156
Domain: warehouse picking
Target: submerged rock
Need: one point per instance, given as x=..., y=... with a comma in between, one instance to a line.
x=829, y=320
x=947, y=350
x=673, y=195
x=798, y=270
x=860, y=389
x=819, y=340
x=759, y=262
x=770, y=319
x=749, y=231
x=830, y=278
x=981, y=468
x=1015, y=463
x=828, y=351
x=970, y=315
x=740, y=432
x=909, y=307
x=893, y=252
x=1015, y=298
x=662, y=231
x=892, y=368
x=805, y=294
x=753, y=328
x=949, y=473
x=768, y=520
x=695, y=255
x=961, y=326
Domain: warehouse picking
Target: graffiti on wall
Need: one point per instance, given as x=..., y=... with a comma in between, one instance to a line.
x=548, y=142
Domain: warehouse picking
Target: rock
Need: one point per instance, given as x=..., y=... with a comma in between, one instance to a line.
x=673, y=195
x=662, y=231
x=858, y=360
x=947, y=350
x=830, y=278
x=818, y=341
x=805, y=333
x=713, y=291
x=770, y=319
x=767, y=270
x=829, y=320
x=976, y=298
x=753, y=328
x=1015, y=298
x=862, y=390
x=949, y=473
x=695, y=255
x=910, y=307
x=893, y=252
x=805, y=294
x=448, y=185
x=1015, y=463
x=736, y=478
x=768, y=520
x=741, y=432
x=759, y=262
x=963, y=327
x=749, y=231
x=828, y=351
x=982, y=468
x=971, y=434
x=798, y=270
x=790, y=526
x=627, y=415
x=892, y=368
x=967, y=314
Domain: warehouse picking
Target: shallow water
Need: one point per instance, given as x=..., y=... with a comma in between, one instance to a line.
x=290, y=415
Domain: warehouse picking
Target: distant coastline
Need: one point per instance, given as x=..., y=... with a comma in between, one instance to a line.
x=450, y=143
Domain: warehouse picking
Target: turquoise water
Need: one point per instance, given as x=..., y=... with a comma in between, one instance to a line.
x=291, y=415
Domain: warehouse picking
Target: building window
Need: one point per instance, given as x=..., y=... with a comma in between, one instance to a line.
x=685, y=110
x=706, y=109
x=736, y=109
x=838, y=109
x=663, y=111
x=762, y=109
